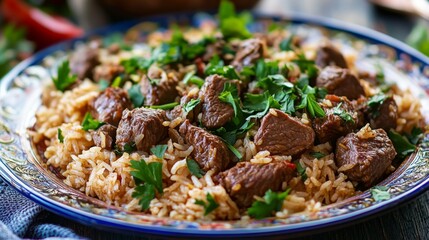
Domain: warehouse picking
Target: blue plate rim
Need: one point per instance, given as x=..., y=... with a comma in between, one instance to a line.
x=322, y=224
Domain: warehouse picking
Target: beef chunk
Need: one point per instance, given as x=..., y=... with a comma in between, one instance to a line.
x=328, y=55
x=158, y=87
x=104, y=136
x=246, y=180
x=210, y=152
x=107, y=72
x=340, y=82
x=83, y=62
x=142, y=127
x=385, y=116
x=341, y=118
x=178, y=110
x=249, y=51
x=366, y=155
x=281, y=134
x=215, y=113
x=108, y=106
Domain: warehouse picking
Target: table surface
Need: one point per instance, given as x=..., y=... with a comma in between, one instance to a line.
x=410, y=221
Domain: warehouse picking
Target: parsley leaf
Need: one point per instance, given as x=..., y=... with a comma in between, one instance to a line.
x=226, y=71
x=134, y=64
x=272, y=203
x=194, y=168
x=148, y=173
x=402, y=146
x=380, y=193
x=130, y=147
x=231, y=25
x=230, y=95
x=190, y=78
x=234, y=150
x=189, y=106
x=90, y=123
x=209, y=206
x=317, y=155
x=165, y=106
x=374, y=104
x=308, y=101
x=301, y=170
x=159, y=150
x=286, y=44
x=145, y=193
x=136, y=95
x=415, y=135
x=60, y=135
x=345, y=116
x=64, y=79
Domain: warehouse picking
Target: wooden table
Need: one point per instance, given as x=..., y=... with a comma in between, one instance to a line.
x=410, y=221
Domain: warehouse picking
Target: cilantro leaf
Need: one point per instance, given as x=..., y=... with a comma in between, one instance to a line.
x=60, y=135
x=272, y=203
x=301, y=170
x=189, y=106
x=402, y=146
x=136, y=95
x=64, y=79
x=194, y=168
x=209, y=206
x=165, y=106
x=145, y=193
x=90, y=123
x=148, y=173
x=159, y=150
x=345, y=116
x=231, y=25
x=380, y=193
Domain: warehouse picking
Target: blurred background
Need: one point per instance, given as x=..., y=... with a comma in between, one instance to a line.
x=27, y=26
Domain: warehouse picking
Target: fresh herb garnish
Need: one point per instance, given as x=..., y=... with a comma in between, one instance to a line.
x=103, y=84
x=272, y=203
x=234, y=150
x=60, y=135
x=159, y=150
x=209, y=206
x=134, y=64
x=117, y=82
x=286, y=44
x=374, y=104
x=151, y=176
x=189, y=106
x=167, y=106
x=317, y=155
x=194, y=168
x=136, y=95
x=301, y=170
x=232, y=25
x=64, y=79
x=380, y=193
x=415, y=135
x=230, y=95
x=226, y=71
x=308, y=101
x=90, y=123
x=345, y=116
x=130, y=147
x=402, y=146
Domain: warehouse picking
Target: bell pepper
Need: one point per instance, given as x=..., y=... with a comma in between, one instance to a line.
x=41, y=28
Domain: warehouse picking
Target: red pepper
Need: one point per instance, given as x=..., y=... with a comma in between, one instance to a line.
x=41, y=28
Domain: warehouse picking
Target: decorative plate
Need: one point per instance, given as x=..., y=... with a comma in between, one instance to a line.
x=21, y=167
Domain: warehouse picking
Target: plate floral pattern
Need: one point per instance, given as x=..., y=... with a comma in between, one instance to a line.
x=21, y=167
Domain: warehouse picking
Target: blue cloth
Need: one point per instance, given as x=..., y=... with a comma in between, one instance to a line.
x=22, y=218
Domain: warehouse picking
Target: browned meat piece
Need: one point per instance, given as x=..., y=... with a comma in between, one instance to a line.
x=107, y=72
x=215, y=113
x=340, y=82
x=341, y=118
x=83, y=61
x=104, y=137
x=385, y=116
x=328, y=55
x=109, y=105
x=159, y=89
x=178, y=110
x=249, y=51
x=246, y=180
x=142, y=127
x=365, y=156
x=281, y=134
x=210, y=151
x=360, y=106
x=214, y=49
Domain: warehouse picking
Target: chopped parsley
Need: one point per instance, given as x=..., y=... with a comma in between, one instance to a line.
x=135, y=64
x=317, y=155
x=380, y=193
x=90, y=123
x=234, y=150
x=209, y=205
x=167, y=106
x=148, y=178
x=272, y=203
x=159, y=150
x=286, y=44
x=345, y=116
x=402, y=146
x=230, y=95
x=226, y=71
x=301, y=170
x=415, y=135
x=308, y=101
x=374, y=104
x=60, y=135
x=136, y=95
x=117, y=82
x=64, y=79
x=194, y=168
x=189, y=106
x=130, y=147
x=232, y=25
x=190, y=78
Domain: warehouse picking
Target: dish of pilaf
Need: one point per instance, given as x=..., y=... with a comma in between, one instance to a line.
x=220, y=123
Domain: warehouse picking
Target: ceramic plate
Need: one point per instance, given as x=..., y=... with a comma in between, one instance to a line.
x=21, y=167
